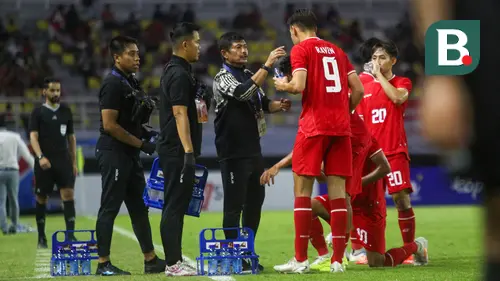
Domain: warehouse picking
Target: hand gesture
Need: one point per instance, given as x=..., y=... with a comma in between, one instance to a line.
x=44, y=163
x=280, y=83
x=376, y=70
x=268, y=176
x=275, y=55
x=285, y=104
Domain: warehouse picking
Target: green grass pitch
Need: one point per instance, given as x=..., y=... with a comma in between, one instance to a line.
x=454, y=234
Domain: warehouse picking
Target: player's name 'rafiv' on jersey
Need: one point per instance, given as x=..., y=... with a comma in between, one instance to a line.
x=325, y=50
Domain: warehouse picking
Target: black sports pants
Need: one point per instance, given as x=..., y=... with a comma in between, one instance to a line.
x=243, y=193
x=122, y=181
x=177, y=195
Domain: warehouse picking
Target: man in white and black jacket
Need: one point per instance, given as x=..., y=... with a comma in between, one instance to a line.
x=239, y=125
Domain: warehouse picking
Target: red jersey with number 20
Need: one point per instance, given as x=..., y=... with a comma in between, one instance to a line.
x=385, y=119
x=325, y=100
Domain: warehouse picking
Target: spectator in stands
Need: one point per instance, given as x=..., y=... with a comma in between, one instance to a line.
x=11, y=26
x=57, y=22
x=154, y=35
x=108, y=18
x=131, y=26
x=72, y=20
x=332, y=16
x=189, y=14
x=158, y=14
x=173, y=15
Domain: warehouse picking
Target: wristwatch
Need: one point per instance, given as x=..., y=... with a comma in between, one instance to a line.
x=268, y=69
x=40, y=157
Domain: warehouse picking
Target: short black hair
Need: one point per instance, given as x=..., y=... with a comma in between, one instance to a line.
x=285, y=65
x=388, y=46
x=227, y=39
x=366, y=49
x=182, y=31
x=119, y=43
x=48, y=80
x=305, y=19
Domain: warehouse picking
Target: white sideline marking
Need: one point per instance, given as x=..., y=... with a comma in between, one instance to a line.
x=159, y=249
x=42, y=263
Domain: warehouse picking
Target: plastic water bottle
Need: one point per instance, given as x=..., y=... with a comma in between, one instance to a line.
x=85, y=262
x=60, y=263
x=196, y=202
x=73, y=264
x=212, y=263
x=225, y=267
x=237, y=261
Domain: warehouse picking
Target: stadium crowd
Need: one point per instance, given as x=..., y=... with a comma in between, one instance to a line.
x=77, y=36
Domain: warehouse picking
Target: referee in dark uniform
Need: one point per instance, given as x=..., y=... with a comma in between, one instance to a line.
x=239, y=125
x=454, y=105
x=117, y=151
x=54, y=144
x=179, y=142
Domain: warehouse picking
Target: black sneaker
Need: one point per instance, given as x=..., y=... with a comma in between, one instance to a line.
x=12, y=229
x=155, y=265
x=247, y=266
x=107, y=269
x=42, y=242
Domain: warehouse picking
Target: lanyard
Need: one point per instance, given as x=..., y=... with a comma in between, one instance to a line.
x=231, y=71
x=115, y=73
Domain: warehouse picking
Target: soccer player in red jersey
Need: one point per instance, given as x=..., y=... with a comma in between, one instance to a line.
x=323, y=74
x=369, y=219
x=361, y=142
x=383, y=111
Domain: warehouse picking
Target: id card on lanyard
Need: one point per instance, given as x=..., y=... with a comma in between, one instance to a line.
x=259, y=113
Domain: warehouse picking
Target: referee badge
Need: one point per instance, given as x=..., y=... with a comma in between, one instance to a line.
x=63, y=130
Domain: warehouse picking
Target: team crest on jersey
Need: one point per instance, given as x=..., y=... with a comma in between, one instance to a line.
x=63, y=129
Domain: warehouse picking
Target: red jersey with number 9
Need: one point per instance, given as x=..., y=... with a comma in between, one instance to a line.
x=385, y=119
x=325, y=100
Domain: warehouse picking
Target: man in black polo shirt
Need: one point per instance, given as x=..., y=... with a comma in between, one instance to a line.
x=117, y=152
x=180, y=140
x=239, y=125
x=54, y=144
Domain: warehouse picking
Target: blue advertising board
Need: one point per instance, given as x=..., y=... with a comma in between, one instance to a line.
x=433, y=186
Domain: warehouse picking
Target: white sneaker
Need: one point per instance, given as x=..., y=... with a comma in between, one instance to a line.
x=421, y=256
x=328, y=240
x=293, y=266
x=180, y=269
x=336, y=267
x=357, y=255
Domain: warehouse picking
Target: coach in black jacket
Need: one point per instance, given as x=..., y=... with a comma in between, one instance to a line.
x=239, y=125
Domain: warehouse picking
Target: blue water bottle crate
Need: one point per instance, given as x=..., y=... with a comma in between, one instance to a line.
x=226, y=256
x=71, y=258
x=153, y=193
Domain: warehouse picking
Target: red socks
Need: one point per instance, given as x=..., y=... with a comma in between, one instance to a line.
x=396, y=256
x=406, y=221
x=317, y=238
x=302, y=215
x=338, y=224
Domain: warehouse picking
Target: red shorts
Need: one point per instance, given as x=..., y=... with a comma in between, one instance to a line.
x=371, y=231
x=310, y=153
x=399, y=179
x=353, y=183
